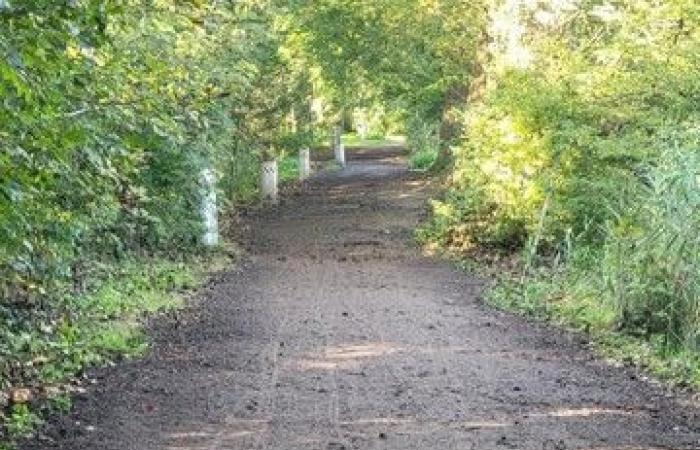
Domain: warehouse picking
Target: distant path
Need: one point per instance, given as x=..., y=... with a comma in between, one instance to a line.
x=337, y=334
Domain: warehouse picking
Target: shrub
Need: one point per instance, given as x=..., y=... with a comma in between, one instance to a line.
x=423, y=160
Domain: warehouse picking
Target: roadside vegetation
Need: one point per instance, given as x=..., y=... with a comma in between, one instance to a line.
x=378, y=140
x=580, y=152
x=103, y=325
x=423, y=159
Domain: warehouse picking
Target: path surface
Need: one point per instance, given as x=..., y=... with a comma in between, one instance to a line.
x=337, y=334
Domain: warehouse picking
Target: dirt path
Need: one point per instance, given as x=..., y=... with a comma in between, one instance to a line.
x=336, y=334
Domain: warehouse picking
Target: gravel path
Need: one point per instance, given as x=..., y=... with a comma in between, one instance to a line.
x=335, y=333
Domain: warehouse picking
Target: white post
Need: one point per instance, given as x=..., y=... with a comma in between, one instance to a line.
x=340, y=155
x=338, y=147
x=304, y=164
x=362, y=130
x=268, y=182
x=208, y=208
x=335, y=142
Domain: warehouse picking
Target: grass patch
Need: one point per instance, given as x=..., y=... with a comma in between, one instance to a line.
x=102, y=326
x=288, y=168
x=354, y=140
x=571, y=294
x=423, y=160
x=572, y=300
x=21, y=422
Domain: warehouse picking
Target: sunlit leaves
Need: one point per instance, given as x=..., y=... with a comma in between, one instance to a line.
x=109, y=111
x=404, y=53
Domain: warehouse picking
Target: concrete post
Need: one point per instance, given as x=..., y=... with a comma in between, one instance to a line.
x=336, y=139
x=208, y=208
x=304, y=164
x=340, y=155
x=268, y=182
x=338, y=147
x=362, y=130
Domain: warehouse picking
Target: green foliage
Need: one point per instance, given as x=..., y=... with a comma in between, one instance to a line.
x=241, y=184
x=103, y=325
x=423, y=160
x=463, y=222
x=21, y=421
x=573, y=296
x=61, y=403
x=110, y=112
x=570, y=136
x=423, y=142
x=581, y=138
x=422, y=136
x=397, y=55
x=289, y=168
x=91, y=327
x=652, y=254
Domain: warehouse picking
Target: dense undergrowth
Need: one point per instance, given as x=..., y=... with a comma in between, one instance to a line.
x=582, y=151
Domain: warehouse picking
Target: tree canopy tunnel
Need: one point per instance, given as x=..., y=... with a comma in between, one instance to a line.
x=411, y=60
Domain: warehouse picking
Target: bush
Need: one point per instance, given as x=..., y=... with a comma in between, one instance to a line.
x=124, y=107
x=423, y=160
x=422, y=136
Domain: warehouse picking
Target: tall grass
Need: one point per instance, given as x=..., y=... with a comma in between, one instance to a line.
x=652, y=257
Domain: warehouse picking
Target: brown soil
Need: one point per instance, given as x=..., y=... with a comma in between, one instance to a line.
x=336, y=333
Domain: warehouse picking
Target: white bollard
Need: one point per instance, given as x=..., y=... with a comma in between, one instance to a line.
x=304, y=164
x=337, y=136
x=362, y=130
x=335, y=141
x=338, y=146
x=268, y=182
x=208, y=208
x=340, y=155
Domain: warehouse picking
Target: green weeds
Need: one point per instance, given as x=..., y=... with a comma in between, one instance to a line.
x=21, y=421
x=289, y=168
x=103, y=325
x=423, y=160
x=568, y=299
